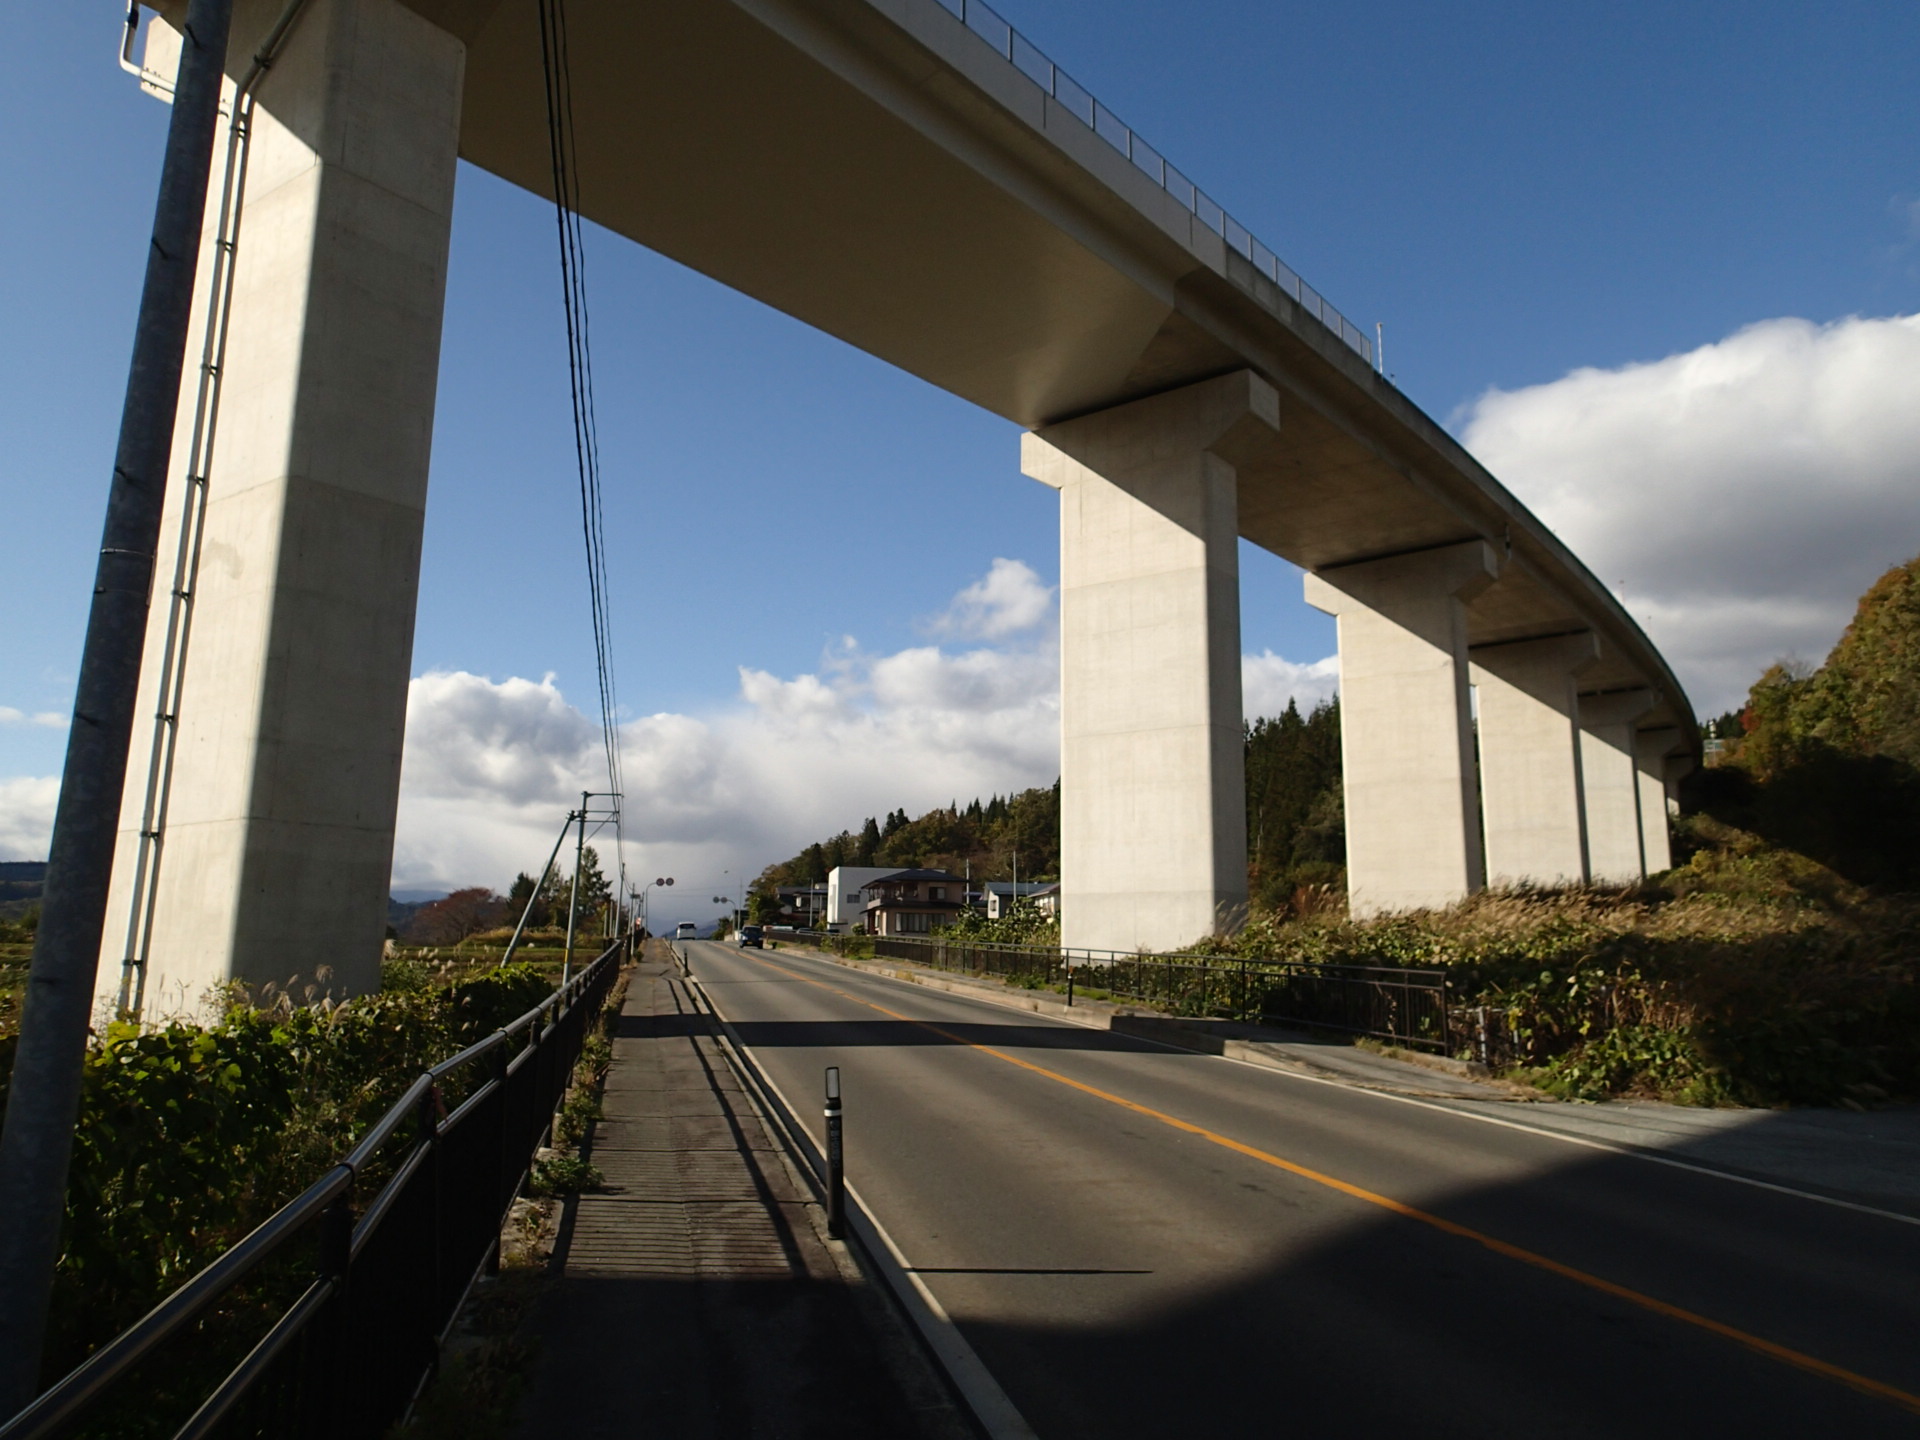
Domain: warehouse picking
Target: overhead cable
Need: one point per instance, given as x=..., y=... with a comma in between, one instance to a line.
x=563, y=152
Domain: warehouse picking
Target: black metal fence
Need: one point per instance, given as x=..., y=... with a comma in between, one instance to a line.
x=374, y=1294
x=1405, y=1007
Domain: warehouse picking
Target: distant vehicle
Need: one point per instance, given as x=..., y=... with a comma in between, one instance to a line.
x=750, y=935
x=686, y=930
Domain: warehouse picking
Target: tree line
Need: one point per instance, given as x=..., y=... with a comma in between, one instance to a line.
x=475, y=910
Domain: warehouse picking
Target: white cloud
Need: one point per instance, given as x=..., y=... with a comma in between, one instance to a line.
x=1267, y=683
x=1008, y=599
x=44, y=719
x=26, y=816
x=1738, y=497
x=492, y=766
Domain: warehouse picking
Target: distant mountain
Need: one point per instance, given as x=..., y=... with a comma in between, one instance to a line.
x=400, y=911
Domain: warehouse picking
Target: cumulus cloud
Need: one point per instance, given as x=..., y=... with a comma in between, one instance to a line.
x=1738, y=497
x=492, y=766
x=1268, y=682
x=1008, y=599
x=44, y=719
x=26, y=816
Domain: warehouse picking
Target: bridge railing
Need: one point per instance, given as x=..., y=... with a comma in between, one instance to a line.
x=1405, y=1007
x=987, y=24
x=372, y=1296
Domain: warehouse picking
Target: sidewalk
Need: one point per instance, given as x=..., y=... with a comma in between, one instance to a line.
x=698, y=1295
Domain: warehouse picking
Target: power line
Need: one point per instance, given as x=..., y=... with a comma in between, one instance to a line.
x=563, y=153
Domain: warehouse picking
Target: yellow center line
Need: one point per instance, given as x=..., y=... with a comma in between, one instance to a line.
x=1800, y=1361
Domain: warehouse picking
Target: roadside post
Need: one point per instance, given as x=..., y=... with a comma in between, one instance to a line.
x=836, y=1173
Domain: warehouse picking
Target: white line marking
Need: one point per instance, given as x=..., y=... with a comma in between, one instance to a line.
x=997, y=1414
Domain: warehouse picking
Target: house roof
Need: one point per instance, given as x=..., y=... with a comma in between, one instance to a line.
x=900, y=875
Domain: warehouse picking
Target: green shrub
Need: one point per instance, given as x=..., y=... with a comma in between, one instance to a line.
x=190, y=1135
x=1749, y=975
x=564, y=1175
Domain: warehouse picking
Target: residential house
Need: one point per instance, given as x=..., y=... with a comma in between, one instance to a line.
x=846, y=905
x=802, y=905
x=999, y=894
x=913, y=902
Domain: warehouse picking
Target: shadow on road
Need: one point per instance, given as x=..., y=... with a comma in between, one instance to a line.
x=842, y=1033
x=1387, y=1325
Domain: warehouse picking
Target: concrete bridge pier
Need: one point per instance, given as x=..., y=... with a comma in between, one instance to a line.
x=1153, y=806
x=1406, y=725
x=1535, y=825
x=279, y=842
x=1610, y=775
x=1653, y=751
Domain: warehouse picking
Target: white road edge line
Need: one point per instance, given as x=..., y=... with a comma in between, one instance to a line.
x=1582, y=1141
x=997, y=1415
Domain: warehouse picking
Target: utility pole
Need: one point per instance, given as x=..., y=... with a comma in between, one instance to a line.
x=44, y=1100
x=573, y=898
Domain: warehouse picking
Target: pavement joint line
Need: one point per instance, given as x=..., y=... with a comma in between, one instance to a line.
x=1585, y=1142
x=1773, y=1350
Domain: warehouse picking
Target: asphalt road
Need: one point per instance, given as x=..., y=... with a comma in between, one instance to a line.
x=1143, y=1242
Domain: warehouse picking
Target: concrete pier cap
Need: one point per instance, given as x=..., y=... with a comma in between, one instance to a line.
x=1153, y=835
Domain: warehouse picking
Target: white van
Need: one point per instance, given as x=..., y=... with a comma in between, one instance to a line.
x=685, y=930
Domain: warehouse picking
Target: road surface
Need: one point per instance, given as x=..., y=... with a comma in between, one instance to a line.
x=1143, y=1242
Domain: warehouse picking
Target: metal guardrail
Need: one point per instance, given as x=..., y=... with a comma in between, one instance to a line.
x=1386, y=1002
x=1026, y=57
x=348, y=1356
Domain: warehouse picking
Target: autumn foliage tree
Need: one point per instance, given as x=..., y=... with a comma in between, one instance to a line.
x=460, y=916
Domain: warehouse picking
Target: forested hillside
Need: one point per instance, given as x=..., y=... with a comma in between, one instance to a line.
x=1296, y=823
x=1827, y=763
x=990, y=836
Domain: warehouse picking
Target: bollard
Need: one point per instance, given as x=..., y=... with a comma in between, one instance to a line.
x=836, y=1176
x=1069, y=982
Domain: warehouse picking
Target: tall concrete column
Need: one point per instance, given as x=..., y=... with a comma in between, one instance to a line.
x=1536, y=831
x=1651, y=751
x=1153, y=830
x=279, y=842
x=1610, y=778
x=1406, y=724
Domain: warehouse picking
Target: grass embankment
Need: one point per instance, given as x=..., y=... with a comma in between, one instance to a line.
x=190, y=1135
x=1748, y=975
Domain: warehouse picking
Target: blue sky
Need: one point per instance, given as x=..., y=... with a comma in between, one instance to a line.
x=1518, y=192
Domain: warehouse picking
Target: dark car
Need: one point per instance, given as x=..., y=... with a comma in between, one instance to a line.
x=750, y=935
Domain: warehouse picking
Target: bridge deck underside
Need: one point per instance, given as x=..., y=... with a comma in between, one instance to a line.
x=879, y=173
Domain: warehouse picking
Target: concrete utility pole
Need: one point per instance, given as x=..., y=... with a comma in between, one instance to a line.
x=44, y=1100
x=573, y=898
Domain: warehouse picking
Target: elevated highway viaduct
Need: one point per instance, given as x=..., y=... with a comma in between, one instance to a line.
x=928, y=187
